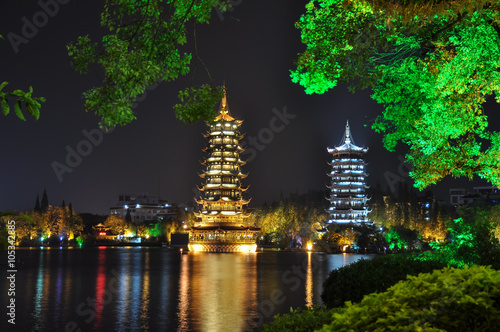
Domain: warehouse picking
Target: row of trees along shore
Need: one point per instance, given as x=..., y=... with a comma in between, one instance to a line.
x=403, y=221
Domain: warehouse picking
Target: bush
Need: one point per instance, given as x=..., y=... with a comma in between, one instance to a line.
x=446, y=300
x=352, y=282
x=300, y=320
x=472, y=240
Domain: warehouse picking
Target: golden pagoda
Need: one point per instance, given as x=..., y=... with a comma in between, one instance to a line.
x=221, y=221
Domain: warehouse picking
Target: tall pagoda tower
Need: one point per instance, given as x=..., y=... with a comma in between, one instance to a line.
x=221, y=221
x=348, y=201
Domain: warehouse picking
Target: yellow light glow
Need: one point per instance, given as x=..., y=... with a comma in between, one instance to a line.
x=248, y=248
x=309, y=246
x=195, y=247
x=129, y=234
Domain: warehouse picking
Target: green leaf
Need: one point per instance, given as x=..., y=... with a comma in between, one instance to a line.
x=33, y=109
x=5, y=107
x=17, y=110
x=3, y=85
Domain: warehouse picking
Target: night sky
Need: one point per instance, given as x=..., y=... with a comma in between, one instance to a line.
x=252, y=48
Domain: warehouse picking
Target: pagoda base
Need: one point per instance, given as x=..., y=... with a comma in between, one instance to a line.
x=221, y=246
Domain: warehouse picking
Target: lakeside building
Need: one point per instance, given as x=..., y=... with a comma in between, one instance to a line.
x=221, y=221
x=143, y=207
x=348, y=200
x=461, y=196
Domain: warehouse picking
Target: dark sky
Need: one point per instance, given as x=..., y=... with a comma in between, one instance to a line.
x=252, y=48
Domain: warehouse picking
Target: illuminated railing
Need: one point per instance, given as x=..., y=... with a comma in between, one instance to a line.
x=222, y=240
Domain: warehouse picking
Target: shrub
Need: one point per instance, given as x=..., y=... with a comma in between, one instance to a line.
x=352, y=282
x=300, y=320
x=445, y=300
x=473, y=239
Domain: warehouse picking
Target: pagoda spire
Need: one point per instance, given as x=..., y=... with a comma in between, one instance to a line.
x=223, y=105
x=347, y=134
x=224, y=108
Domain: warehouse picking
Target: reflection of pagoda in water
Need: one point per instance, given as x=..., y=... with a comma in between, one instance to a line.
x=348, y=189
x=221, y=222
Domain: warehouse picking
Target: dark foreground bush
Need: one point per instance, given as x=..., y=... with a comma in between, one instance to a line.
x=300, y=320
x=445, y=300
x=352, y=282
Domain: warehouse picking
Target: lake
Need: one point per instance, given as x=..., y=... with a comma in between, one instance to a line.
x=157, y=289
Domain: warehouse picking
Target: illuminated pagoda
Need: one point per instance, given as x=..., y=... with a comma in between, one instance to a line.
x=348, y=201
x=221, y=221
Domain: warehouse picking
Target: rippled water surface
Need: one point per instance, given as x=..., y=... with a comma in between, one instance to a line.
x=155, y=289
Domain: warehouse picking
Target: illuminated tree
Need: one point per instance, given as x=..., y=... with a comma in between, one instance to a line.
x=142, y=48
x=340, y=235
x=23, y=223
x=57, y=222
x=117, y=224
x=290, y=220
x=432, y=64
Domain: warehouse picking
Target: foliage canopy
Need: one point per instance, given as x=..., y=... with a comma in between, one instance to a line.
x=20, y=98
x=432, y=64
x=143, y=47
x=444, y=300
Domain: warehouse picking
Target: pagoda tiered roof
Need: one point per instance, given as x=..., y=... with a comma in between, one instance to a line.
x=223, y=173
x=222, y=159
x=222, y=213
x=347, y=143
x=223, y=187
x=226, y=228
x=222, y=200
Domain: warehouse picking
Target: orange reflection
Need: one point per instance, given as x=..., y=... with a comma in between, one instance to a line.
x=309, y=282
x=184, y=294
x=219, y=289
x=145, y=295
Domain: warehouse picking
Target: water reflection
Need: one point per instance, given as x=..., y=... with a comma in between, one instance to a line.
x=184, y=294
x=37, y=312
x=100, y=287
x=150, y=289
x=219, y=289
x=309, y=282
x=122, y=306
x=145, y=294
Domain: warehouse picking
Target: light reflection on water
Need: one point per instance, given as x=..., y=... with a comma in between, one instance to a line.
x=222, y=289
x=151, y=289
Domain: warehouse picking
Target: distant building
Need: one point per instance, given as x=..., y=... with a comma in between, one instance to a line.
x=461, y=196
x=456, y=195
x=103, y=232
x=348, y=201
x=143, y=207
